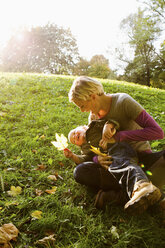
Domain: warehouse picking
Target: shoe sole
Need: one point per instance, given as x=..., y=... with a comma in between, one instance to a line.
x=141, y=204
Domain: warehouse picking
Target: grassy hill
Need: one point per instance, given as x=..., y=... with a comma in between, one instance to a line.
x=33, y=108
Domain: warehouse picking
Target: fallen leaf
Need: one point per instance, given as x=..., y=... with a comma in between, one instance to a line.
x=42, y=136
x=40, y=167
x=46, y=240
x=34, y=151
x=3, y=114
x=51, y=191
x=14, y=191
x=39, y=192
x=114, y=232
x=7, y=204
x=61, y=164
x=61, y=142
x=8, y=232
x=97, y=151
x=52, y=177
x=36, y=214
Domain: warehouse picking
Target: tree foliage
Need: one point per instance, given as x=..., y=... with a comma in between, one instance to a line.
x=144, y=28
x=97, y=66
x=48, y=48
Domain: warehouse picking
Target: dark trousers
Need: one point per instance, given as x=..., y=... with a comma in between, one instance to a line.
x=123, y=173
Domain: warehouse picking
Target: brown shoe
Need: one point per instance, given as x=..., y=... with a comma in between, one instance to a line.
x=144, y=195
x=104, y=197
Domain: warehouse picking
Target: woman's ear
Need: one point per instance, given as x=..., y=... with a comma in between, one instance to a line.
x=93, y=96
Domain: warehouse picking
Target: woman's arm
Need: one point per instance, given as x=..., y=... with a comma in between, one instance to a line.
x=151, y=130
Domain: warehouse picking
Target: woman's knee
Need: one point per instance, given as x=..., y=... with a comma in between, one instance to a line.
x=86, y=172
x=77, y=174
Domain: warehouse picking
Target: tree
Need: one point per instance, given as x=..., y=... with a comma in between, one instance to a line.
x=158, y=79
x=48, y=48
x=82, y=67
x=99, y=60
x=156, y=8
x=142, y=32
x=99, y=67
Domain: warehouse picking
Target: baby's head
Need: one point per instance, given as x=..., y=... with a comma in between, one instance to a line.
x=77, y=135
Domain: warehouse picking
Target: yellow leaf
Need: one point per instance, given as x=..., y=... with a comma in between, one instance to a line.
x=8, y=232
x=97, y=151
x=14, y=191
x=36, y=214
x=38, y=192
x=52, y=177
x=51, y=191
x=7, y=204
x=3, y=114
x=42, y=136
x=46, y=240
x=40, y=167
x=114, y=232
x=61, y=142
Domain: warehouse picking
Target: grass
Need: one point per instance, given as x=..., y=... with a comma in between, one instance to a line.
x=33, y=108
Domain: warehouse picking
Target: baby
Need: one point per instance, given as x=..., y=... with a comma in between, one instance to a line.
x=85, y=136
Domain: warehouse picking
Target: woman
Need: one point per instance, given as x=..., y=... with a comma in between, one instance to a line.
x=137, y=127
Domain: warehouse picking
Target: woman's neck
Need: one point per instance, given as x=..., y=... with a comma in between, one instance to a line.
x=105, y=105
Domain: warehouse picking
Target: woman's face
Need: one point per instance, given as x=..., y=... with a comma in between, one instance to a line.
x=88, y=105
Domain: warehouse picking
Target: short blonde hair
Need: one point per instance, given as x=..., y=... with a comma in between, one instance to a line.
x=83, y=87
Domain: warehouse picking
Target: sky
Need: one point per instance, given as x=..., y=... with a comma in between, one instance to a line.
x=94, y=23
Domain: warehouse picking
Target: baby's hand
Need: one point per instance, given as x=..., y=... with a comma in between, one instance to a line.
x=68, y=153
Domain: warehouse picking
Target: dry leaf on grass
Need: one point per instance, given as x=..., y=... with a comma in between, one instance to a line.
x=8, y=232
x=52, y=177
x=47, y=240
x=61, y=164
x=42, y=136
x=3, y=114
x=38, y=192
x=14, y=191
x=36, y=214
x=51, y=191
x=40, y=167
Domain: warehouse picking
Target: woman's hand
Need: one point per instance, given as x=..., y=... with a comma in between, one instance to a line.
x=103, y=143
x=104, y=161
x=108, y=131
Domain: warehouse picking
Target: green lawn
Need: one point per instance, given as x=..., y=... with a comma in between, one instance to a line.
x=33, y=108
